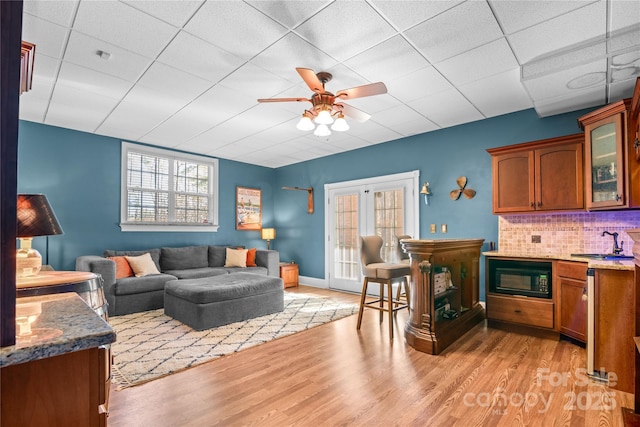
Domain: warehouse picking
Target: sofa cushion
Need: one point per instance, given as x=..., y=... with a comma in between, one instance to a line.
x=137, y=285
x=184, y=258
x=251, y=257
x=155, y=254
x=195, y=273
x=236, y=258
x=218, y=254
x=123, y=268
x=142, y=265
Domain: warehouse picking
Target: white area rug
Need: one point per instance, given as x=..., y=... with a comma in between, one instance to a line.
x=151, y=345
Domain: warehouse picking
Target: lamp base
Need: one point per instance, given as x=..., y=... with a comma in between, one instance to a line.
x=28, y=260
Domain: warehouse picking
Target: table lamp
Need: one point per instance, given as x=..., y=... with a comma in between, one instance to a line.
x=268, y=234
x=34, y=218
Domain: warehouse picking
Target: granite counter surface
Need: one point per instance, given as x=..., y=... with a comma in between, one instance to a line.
x=628, y=264
x=66, y=324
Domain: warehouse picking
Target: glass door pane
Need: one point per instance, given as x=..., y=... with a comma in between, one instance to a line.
x=604, y=167
x=345, y=244
x=389, y=215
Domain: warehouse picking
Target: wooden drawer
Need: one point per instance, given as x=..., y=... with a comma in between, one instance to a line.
x=572, y=269
x=526, y=311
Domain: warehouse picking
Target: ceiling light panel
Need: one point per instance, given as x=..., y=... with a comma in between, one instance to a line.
x=365, y=28
x=457, y=30
x=124, y=26
x=221, y=23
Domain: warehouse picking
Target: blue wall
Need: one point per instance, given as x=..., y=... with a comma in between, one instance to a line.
x=80, y=174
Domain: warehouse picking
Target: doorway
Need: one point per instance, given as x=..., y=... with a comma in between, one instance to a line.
x=386, y=206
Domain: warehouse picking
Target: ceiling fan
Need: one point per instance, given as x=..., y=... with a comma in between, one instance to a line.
x=326, y=105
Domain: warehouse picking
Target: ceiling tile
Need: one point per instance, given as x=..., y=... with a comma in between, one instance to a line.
x=60, y=12
x=582, y=99
x=174, y=12
x=291, y=51
x=515, y=15
x=457, y=30
x=566, y=81
x=625, y=66
x=82, y=50
x=377, y=68
x=49, y=38
x=174, y=82
x=396, y=116
x=498, y=94
x=621, y=90
x=624, y=14
x=418, y=84
x=476, y=64
x=88, y=80
x=124, y=26
x=411, y=12
x=359, y=28
x=34, y=103
x=448, y=108
x=195, y=56
x=255, y=81
x=573, y=28
x=235, y=27
x=73, y=107
x=289, y=13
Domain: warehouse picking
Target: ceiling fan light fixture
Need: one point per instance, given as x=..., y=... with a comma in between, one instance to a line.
x=324, y=116
x=340, y=124
x=305, y=122
x=322, y=130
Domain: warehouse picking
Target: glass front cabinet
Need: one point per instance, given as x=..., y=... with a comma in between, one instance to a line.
x=606, y=157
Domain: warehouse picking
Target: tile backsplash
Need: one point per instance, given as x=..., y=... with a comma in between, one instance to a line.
x=566, y=233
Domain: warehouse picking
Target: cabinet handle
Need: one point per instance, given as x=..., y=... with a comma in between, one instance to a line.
x=533, y=204
x=617, y=197
x=584, y=295
x=539, y=204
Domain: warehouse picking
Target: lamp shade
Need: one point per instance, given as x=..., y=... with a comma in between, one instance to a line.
x=35, y=217
x=268, y=233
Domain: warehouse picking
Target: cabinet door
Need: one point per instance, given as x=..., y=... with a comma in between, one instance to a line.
x=573, y=308
x=513, y=183
x=558, y=172
x=604, y=159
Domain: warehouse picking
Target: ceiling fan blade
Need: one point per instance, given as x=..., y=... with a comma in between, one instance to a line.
x=283, y=100
x=353, y=112
x=361, y=91
x=311, y=79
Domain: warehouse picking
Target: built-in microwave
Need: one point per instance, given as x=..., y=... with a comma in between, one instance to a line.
x=527, y=278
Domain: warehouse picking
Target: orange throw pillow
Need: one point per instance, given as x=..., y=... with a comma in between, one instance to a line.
x=123, y=268
x=251, y=257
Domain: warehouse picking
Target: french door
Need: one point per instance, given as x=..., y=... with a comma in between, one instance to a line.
x=386, y=206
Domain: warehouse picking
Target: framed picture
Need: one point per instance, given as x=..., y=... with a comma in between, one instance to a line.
x=248, y=208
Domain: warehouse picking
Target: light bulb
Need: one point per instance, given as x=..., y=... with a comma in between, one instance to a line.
x=340, y=124
x=324, y=117
x=305, y=123
x=322, y=130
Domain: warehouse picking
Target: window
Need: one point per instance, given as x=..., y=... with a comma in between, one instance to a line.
x=165, y=190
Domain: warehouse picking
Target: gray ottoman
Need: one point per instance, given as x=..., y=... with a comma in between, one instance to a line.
x=214, y=301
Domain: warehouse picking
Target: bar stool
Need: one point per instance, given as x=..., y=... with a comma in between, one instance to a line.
x=376, y=270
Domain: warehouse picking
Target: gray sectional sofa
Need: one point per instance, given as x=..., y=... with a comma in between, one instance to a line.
x=133, y=294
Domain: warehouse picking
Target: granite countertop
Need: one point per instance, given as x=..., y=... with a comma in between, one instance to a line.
x=66, y=324
x=627, y=264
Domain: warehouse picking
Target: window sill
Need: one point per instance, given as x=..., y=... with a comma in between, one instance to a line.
x=208, y=228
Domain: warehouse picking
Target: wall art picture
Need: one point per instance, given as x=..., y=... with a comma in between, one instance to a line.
x=248, y=208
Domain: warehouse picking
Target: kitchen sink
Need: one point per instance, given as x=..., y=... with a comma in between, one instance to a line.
x=604, y=257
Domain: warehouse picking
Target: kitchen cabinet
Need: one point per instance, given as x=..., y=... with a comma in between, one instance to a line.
x=571, y=283
x=539, y=176
x=615, y=325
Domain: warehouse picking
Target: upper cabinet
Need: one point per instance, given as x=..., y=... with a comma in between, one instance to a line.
x=538, y=176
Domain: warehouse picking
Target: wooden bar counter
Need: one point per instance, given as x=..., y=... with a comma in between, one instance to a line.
x=445, y=291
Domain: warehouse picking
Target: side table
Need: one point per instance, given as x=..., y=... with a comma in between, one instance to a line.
x=289, y=274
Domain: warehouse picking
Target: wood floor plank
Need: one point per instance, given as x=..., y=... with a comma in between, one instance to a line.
x=334, y=375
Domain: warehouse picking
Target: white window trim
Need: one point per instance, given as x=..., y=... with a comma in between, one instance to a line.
x=201, y=228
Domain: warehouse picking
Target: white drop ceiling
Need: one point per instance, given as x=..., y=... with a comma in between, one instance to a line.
x=187, y=74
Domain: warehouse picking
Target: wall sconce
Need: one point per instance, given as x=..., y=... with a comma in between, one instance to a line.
x=268, y=234
x=426, y=192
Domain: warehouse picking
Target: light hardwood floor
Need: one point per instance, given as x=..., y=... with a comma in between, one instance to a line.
x=333, y=375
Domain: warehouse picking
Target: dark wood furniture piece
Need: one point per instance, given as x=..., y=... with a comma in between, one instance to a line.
x=289, y=274
x=545, y=175
x=427, y=330
x=571, y=284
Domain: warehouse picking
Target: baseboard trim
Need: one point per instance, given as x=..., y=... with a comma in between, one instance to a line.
x=313, y=281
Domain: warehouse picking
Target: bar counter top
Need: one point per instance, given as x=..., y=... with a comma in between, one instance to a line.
x=626, y=264
x=66, y=324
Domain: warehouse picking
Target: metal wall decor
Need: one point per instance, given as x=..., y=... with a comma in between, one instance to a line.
x=462, y=183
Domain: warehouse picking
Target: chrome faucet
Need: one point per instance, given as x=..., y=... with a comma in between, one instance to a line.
x=617, y=250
